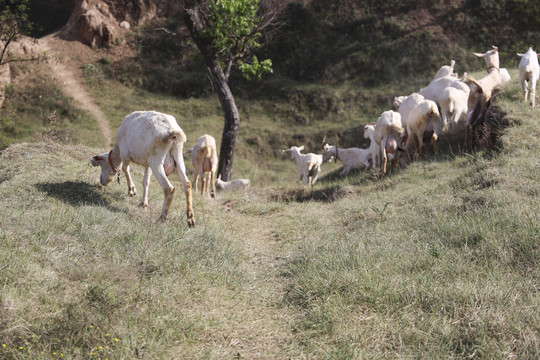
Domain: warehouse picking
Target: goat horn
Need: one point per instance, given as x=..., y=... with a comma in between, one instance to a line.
x=323, y=141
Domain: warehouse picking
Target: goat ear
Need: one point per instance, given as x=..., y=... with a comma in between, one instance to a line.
x=520, y=55
x=95, y=160
x=301, y=148
x=478, y=54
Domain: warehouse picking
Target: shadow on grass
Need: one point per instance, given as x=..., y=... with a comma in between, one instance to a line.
x=76, y=193
x=326, y=195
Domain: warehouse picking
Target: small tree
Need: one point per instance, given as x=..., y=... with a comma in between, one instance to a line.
x=14, y=22
x=226, y=32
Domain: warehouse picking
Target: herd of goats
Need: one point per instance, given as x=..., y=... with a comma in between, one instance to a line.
x=155, y=140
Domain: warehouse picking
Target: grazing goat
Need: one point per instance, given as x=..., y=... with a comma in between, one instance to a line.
x=155, y=141
x=374, y=148
x=233, y=185
x=446, y=70
x=307, y=165
x=205, y=162
x=352, y=158
x=453, y=103
x=388, y=132
x=481, y=91
x=424, y=117
x=529, y=70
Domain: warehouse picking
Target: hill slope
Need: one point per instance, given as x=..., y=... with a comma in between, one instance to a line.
x=439, y=260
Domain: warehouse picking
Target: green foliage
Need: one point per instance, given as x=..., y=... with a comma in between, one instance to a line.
x=256, y=69
x=234, y=34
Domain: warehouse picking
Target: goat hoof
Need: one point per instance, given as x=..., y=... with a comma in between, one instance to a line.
x=132, y=191
x=143, y=205
x=191, y=220
x=162, y=218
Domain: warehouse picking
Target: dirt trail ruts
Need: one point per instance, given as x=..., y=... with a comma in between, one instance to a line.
x=68, y=76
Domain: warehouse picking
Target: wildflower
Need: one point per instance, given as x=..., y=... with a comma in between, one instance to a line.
x=21, y=347
x=116, y=339
x=101, y=348
x=107, y=334
x=4, y=345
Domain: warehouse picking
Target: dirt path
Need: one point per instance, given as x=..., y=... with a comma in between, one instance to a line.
x=261, y=325
x=66, y=72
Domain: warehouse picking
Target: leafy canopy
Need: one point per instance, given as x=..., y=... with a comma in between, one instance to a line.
x=234, y=31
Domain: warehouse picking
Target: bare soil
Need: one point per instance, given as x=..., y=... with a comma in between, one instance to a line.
x=65, y=58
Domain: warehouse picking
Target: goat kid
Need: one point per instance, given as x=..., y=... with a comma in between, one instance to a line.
x=232, y=185
x=352, y=158
x=529, y=71
x=205, y=162
x=308, y=165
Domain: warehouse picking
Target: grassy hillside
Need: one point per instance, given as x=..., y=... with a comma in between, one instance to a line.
x=439, y=260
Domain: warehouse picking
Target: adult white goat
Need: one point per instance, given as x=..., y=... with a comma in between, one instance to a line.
x=529, y=70
x=352, y=158
x=435, y=88
x=307, y=165
x=453, y=104
x=205, y=162
x=425, y=116
x=405, y=109
x=232, y=185
x=155, y=141
x=374, y=148
x=481, y=91
x=446, y=70
x=388, y=132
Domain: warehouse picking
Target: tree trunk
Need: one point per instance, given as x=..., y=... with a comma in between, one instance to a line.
x=193, y=15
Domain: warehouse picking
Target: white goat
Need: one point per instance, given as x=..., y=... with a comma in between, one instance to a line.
x=233, y=185
x=482, y=90
x=307, y=165
x=529, y=70
x=398, y=100
x=446, y=70
x=425, y=116
x=205, y=162
x=155, y=141
x=374, y=148
x=388, y=131
x=406, y=107
x=352, y=158
x=434, y=90
x=453, y=103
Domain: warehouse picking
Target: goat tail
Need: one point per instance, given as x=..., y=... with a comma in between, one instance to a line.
x=450, y=106
x=176, y=136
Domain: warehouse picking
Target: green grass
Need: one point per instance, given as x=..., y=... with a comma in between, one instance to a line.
x=438, y=260
x=36, y=107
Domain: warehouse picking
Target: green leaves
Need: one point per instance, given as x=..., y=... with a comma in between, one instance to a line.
x=256, y=69
x=233, y=30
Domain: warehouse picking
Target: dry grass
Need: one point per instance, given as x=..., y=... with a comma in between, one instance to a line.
x=438, y=260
